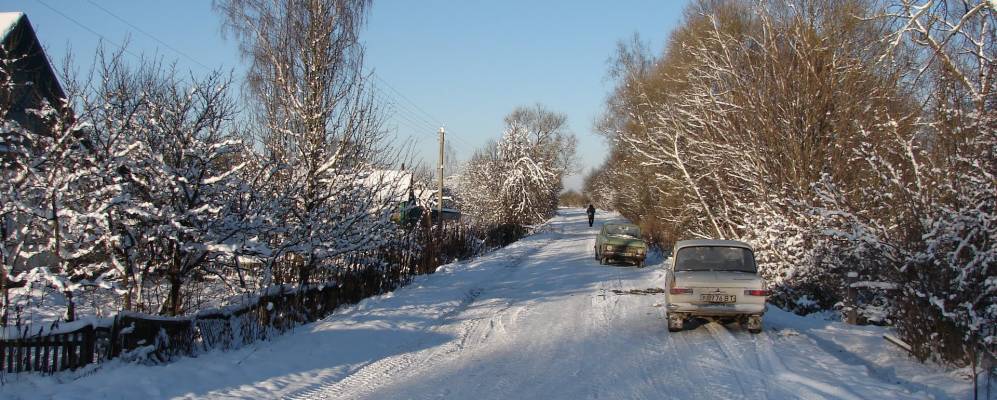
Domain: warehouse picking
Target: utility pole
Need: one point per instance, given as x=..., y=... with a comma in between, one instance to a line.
x=440, y=195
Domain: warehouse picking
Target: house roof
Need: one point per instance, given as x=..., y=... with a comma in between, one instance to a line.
x=389, y=184
x=21, y=43
x=8, y=20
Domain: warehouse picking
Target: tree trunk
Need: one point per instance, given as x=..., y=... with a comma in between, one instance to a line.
x=3, y=292
x=70, y=306
x=128, y=287
x=305, y=270
x=173, y=299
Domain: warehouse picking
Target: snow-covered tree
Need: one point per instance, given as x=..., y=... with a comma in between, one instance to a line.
x=836, y=136
x=318, y=126
x=516, y=180
x=43, y=164
x=925, y=216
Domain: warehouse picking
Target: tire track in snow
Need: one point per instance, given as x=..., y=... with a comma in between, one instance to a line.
x=728, y=345
x=672, y=350
x=694, y=355
x=365, y=379
x=656, y=384
x=773, y=367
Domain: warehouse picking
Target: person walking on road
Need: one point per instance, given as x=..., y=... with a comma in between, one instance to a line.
x=591, y=212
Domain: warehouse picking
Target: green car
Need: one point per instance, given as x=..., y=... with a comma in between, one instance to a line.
x=620, y=242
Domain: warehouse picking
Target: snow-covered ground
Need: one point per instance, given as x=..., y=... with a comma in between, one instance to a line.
x=539, y=319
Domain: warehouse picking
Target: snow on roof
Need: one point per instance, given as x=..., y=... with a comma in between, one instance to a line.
x=8, y=20
x=390, y=184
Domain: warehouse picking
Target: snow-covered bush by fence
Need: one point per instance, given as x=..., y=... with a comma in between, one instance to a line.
x=148, y=193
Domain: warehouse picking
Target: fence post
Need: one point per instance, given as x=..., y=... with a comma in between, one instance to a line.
x=851, y=299
x=64, y=351
x=38, y=344
x=89, y=342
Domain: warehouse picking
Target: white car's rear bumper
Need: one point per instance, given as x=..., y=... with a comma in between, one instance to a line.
x=711, y=310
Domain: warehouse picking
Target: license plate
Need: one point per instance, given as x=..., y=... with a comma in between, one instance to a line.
x=718, y=298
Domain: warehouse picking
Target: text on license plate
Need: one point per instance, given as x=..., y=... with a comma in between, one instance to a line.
x=718, y=298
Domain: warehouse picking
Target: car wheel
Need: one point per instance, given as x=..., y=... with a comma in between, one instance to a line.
x=640, y=264
x=603, y=260
x=754, y=324
x=675, y=323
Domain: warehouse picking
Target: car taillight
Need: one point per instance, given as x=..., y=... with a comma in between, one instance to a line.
x=756, y=292
x=678, y=290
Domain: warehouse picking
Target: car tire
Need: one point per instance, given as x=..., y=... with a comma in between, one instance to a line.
x=603, y=260
x=640, y=264
x=675, y=323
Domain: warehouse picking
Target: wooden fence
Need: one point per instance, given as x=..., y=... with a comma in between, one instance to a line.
x=855, y=294
x=151, y=338
x=50, y=353
x=142, y=337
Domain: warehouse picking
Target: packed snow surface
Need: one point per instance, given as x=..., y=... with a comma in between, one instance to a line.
x=539, y=319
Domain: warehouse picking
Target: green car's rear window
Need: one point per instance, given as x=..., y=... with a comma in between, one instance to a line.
x=623, y=230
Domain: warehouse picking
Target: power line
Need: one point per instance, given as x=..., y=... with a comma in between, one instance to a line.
x=420, y=126
x=78, y=23
x=167, y=45
x=431, y=117
x=400, y=113
x=402, y=107
x=414, y=116
x=415, y=125
x=417, y=132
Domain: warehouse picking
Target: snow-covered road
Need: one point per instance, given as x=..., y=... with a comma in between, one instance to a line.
x=539, y=319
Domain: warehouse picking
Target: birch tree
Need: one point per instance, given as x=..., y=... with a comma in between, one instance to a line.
x=319, y=126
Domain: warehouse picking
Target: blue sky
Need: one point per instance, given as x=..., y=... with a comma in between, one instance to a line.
x=465, y=64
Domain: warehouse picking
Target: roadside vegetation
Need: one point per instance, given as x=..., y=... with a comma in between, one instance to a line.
x=514, y=183
x=572, y=198
x=837, y=137
x=158, y=191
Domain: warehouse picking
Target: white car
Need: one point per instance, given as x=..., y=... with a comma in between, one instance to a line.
x=716, y=280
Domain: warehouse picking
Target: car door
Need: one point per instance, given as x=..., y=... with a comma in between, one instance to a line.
x=599, y=240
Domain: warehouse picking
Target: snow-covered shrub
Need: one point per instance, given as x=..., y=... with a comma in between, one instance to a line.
x=796, y=126
x=515, y=182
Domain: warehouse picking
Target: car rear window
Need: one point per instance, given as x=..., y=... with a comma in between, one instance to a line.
x=623, y=230
x=715, y=258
